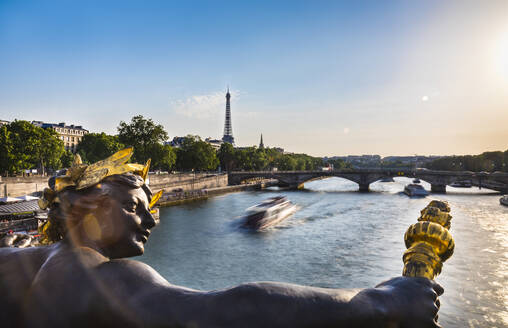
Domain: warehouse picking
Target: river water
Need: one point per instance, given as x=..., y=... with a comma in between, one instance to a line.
x=339, y=238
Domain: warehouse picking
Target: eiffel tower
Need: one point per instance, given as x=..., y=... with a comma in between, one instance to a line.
x=228, y=128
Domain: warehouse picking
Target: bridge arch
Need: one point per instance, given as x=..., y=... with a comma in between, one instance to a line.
x=438, y=180
x=296, y=179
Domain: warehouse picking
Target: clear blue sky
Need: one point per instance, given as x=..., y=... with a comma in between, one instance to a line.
x=321, y=77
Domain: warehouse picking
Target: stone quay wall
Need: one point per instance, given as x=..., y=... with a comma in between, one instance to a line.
x=19, y=186
x=187, y=181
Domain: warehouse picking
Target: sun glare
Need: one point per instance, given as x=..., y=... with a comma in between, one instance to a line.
x=503, y=55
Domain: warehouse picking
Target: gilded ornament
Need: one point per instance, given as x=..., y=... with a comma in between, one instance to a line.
x=428, y=242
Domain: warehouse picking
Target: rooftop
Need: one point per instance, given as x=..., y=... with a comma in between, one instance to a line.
x=59, y=125
x=28, y=206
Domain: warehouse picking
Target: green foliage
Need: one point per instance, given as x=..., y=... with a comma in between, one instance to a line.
x=147, y=138
x=226, y=155
x=285, y=163
x=67, y=158
x=142, y=134
x=246, y=159
x=98, y=146
x=6, y=150
x=488, y=161
x=26, y=146
x=195, y=154
x=339, y=164
x=163, y=157
x=259, y=159
x=50, y=150
x=398, y=164
x=254, y=159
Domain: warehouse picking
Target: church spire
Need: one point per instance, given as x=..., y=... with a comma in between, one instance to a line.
x=261, y=145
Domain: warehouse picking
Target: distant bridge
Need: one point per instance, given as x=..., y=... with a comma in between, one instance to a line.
x=364, y=177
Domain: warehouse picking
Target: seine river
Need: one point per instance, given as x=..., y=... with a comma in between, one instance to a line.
x=339, y=238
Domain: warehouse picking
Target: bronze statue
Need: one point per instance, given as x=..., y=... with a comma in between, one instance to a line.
x=100, y=214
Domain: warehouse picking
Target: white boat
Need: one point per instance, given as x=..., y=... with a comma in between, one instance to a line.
x=504, y=200
x=26, y=198
x=462, y=184
x=415, y=190
x=9, y=200
x=268, y=213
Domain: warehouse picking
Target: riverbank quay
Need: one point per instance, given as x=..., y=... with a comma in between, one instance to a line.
x=181, y=197
x=178, y=187
x=19, y=186
x=185, y=182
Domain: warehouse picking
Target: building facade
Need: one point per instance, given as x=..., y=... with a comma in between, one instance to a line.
x=71, y=135
x=214, y=143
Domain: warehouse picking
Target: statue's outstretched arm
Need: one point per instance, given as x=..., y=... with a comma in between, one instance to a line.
x=399, y=302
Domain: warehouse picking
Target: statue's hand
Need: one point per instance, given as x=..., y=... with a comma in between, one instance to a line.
x=410, y=302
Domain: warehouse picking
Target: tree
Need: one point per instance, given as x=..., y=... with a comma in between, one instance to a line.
x=505, y=161
x=50, y=150
x=67, y=158
x=27, y=146
x=97, y=146
x=163, y=157
x=259, y=159
x=285, y=163
x=487, y=161
x=5, y=150
x=338, y=163
x=142, y=134
x=244, y=158
x=24, y=140
x=226, y=156
x=301, y=164
x=195, y=154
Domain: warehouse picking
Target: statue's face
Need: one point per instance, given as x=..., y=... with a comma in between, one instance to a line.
x=125, y=222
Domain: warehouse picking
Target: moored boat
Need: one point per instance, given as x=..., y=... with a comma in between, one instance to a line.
x=268, y=213
x=462, y=184
x=415, y=190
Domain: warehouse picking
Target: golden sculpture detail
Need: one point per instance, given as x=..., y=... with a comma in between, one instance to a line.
x=428, y=242
x=82, y=176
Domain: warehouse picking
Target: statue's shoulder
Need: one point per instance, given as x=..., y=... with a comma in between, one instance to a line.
x=67, y=264
x=18, y=268
x=86, y=264
x=20, y=260
x=130, y=272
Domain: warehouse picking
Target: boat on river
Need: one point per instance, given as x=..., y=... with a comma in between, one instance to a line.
x=268, y=213
x=415, y=190
x=462, y=184
x=504, y=200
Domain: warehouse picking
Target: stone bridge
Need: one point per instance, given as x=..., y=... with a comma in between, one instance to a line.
x=438, y=180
